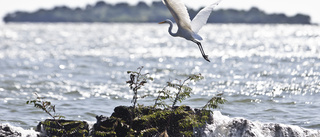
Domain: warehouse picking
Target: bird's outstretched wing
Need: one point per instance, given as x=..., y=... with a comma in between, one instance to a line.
x=202, y=17
x=179, y=12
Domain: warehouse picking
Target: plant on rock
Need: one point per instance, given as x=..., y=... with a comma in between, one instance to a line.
x=57, y=126
x=183, y=91
x=137, y=80
x=46, y=106
x=151, y=120
x=189, y=120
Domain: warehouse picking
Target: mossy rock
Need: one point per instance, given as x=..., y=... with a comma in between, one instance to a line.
x=63, y=128
x=148, y=121
x=109, y=127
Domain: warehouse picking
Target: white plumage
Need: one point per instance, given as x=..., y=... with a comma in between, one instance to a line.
x=186, y=28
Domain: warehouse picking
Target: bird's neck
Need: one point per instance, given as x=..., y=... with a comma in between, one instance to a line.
x=170, y=29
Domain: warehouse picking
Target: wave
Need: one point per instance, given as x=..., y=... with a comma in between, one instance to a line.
x=7, y=130
x=240, y=127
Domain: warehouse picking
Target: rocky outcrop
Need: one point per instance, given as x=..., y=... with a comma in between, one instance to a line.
x=118, y=124
x=6, y=131
x=147, y=121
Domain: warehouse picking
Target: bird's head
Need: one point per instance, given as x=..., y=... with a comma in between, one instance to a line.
x=166, y=21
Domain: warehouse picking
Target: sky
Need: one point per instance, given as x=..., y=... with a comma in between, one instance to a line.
x=288, y=7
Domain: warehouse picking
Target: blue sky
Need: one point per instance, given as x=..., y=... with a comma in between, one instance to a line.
x=289, y=7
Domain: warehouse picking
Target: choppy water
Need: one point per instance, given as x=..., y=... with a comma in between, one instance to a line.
x=268, y=73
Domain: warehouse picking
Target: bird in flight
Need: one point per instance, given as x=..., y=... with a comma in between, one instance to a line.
x=186, y=28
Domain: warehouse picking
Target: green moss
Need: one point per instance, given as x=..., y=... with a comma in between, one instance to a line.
x=65, y=127
x=179, y=121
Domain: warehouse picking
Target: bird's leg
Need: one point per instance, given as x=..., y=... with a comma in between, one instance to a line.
x=201, y=50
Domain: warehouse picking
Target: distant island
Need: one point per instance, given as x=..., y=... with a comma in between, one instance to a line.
x=142, y=12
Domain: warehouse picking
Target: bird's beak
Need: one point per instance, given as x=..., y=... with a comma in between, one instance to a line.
x=162, y=22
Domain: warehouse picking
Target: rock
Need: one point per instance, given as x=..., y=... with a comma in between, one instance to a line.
x=123, y=112
x=157, y=122
x=240, y=127
x=148, y=121
x=110, y=127
x=5, y=131
x=63, y=128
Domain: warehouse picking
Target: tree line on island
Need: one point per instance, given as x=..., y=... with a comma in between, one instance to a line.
x=142, y=12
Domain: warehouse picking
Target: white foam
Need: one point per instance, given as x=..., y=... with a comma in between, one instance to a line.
x=24, y=132
x=238, y=127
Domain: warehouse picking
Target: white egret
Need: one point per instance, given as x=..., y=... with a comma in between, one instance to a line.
x=186, y=28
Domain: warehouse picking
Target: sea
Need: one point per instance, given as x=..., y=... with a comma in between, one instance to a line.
x=268, y=73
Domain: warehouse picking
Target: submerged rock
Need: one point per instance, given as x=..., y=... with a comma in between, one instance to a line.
x=5, y=131
x=240, y=127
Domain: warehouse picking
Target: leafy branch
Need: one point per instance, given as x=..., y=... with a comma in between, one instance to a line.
x=162, y=95
x=45, y=106
x=137, y=80
x=183, y=91
x=213, y=102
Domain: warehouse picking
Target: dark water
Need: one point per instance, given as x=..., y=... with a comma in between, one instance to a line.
x=268, y=73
